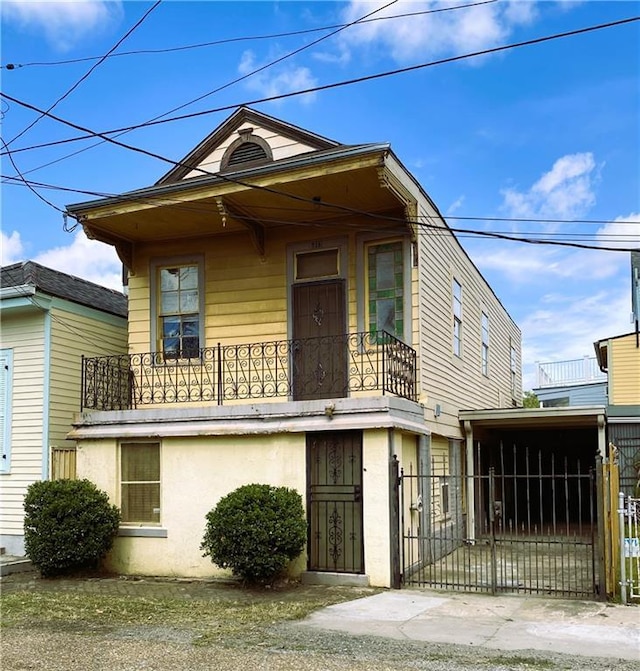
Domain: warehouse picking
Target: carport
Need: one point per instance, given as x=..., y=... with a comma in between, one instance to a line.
x=523, y=512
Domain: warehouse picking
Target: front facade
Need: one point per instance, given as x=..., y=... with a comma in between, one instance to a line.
x=49, y=321
x=299, y=315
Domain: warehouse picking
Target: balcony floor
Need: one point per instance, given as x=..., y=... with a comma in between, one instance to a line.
x=252, y=418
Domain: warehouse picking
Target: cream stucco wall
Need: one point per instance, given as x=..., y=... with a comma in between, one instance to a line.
x=197, y=471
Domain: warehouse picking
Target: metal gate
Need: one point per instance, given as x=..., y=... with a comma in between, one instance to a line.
x=533, y=532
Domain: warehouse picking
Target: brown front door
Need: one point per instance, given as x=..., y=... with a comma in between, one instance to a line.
x=334, y=467
x=319, y=340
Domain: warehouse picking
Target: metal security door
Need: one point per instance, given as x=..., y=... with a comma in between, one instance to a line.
x=334, y=466
x=319, y=340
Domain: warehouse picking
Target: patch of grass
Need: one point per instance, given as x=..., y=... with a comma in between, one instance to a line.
x=211, y=619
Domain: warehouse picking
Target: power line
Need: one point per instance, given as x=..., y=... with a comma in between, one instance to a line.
x=14, y=66
x=15, y=181
x=26, y=183
x=347, y=82
x=224, y=86
x=86, y=75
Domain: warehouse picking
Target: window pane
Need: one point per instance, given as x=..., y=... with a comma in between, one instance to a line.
x=169, y=303
x=317, y=264
x=170, y=346
x=188, y=301
x=190, y=326
x=141, y=502
x=171, y=327
x=386, y=316
x=169, y=279
x=385, y=277
x=189, y=277
x=140, y=462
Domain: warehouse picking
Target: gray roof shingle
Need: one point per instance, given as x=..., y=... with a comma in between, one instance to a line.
x=61, y=285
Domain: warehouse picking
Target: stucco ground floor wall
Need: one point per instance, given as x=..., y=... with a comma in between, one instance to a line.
x=205, y=458
x=197, y=471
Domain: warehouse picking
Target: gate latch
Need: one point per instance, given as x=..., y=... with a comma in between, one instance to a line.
x=417, y=506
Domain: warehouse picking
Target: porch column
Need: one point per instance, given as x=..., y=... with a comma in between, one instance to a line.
x=471, y=493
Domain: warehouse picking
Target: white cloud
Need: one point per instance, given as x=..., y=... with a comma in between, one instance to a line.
x=621, y=232
x=564, y=192
x=276, y=82
x=63, y=24
x=456, y=205
x=11, y=248
x=565, y=327
x=427, y=35
x=89, y=259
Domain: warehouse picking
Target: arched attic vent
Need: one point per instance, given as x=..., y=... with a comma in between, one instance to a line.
x=246, y=151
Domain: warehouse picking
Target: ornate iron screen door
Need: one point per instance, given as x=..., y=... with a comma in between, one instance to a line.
x=334, y=466
x=320, y=341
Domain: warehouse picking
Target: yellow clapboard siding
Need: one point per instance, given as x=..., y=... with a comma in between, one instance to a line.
x=624, y=364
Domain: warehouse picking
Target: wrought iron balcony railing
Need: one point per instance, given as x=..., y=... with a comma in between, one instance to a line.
x=300, y=369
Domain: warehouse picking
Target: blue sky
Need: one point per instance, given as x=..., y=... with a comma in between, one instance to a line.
x=549, y=131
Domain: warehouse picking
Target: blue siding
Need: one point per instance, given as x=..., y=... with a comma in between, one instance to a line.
x=584, y=394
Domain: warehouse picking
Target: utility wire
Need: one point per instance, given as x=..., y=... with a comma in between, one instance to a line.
x=15, y=181
x=348, y=82
x=224, y=86
x=26, y=183
x=430, y=228
x=15, y=66
x=86, y=75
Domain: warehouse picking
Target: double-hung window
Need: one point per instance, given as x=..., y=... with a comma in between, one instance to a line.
x=457, y=317
x=385, y=277
x=485, y=343
x=179, y=311
x=140, y=483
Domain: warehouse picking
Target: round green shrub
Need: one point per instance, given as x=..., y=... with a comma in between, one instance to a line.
x=68, y=525
x=255, y=531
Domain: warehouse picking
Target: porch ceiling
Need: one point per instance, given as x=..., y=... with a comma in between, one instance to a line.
x=535, y=418
x=327, y=194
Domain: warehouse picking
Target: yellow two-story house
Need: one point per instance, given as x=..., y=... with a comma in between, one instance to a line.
x=301, y=315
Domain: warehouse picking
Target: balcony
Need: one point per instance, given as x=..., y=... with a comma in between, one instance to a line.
x=569, y=373
x=300, y=369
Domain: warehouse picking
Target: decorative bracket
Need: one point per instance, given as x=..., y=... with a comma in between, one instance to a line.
x=256, y=228
x=124, y=248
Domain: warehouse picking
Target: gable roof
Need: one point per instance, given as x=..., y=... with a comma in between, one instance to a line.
x=61, y=285
x=241, y=116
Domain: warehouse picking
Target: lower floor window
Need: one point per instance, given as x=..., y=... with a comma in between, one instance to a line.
x=140, y=483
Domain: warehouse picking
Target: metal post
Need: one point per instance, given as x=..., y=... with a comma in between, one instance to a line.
x=623, y=562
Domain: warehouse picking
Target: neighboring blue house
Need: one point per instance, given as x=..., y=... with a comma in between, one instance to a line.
x=571, y=383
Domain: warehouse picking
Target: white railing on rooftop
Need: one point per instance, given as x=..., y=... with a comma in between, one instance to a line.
x=567, y=373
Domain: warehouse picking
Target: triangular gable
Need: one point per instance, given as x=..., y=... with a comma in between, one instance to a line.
x=279, y=139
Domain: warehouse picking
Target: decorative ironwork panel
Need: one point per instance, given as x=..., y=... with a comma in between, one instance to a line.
x=335, y=501
x=303, y=368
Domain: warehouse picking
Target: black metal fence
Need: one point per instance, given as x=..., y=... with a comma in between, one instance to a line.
x=526, y=532
x=281, y=368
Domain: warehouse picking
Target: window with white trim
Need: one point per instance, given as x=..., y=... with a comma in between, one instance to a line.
x=457, y=317
x=178, y=305
x=485, y=343
x=140, y=483
x=6, y=378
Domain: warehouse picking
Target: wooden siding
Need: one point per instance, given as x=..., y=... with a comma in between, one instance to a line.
x=624, y=371
x=281, y=147
x=24, y=333
x=453, y=382
x=74, y=332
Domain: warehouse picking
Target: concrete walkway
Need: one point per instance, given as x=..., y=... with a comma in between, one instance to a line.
x=515, y=622
x=510, y=622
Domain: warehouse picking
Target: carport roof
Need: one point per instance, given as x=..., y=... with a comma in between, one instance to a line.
x=535, y=418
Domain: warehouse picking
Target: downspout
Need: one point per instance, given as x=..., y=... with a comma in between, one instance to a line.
x=46, y=392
